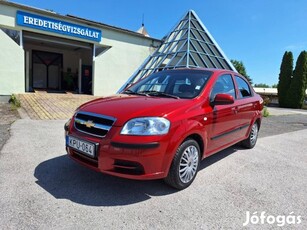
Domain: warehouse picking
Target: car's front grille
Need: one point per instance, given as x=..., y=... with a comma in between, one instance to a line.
x=93, y=124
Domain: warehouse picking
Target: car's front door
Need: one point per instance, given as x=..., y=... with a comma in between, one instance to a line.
x=223, y=119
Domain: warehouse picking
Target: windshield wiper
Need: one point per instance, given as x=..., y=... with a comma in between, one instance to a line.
x=129, y=91
x=157, y=93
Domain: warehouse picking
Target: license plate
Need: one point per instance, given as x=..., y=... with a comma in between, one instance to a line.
x=81, y=145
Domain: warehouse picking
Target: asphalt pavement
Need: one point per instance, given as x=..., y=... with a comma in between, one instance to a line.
x=41, y=188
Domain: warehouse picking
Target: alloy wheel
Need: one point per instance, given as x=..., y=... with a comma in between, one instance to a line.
x=188, y=164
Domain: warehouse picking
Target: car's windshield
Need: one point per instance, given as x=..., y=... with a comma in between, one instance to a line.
x=175, y=84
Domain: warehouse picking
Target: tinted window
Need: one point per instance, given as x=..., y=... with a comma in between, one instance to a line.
x=224, y=84
x=244, y=89
x=183, y=84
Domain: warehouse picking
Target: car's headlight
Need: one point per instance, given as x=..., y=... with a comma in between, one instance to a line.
x=144, y=126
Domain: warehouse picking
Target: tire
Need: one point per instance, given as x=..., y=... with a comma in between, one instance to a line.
x=251, y=141
x=184, y=166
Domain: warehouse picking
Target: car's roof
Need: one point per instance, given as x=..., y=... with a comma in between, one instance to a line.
x=201, y=69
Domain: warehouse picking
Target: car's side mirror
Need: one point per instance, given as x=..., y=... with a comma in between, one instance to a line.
x=222, y=99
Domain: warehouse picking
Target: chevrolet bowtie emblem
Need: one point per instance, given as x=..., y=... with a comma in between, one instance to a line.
x=89, y=124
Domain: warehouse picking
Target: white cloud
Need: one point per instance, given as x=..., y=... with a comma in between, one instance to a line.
x=297, y=46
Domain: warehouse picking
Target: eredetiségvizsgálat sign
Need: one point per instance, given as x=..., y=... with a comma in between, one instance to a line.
x=57, y=26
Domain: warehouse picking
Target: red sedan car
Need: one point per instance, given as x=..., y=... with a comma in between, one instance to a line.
x=165, y=124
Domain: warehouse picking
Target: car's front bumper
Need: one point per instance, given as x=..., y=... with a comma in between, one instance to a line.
x=133, y=157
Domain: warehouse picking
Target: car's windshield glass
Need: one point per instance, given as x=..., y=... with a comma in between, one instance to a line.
x=175, y=84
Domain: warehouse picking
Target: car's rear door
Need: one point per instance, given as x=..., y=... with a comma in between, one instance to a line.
x=246, y=105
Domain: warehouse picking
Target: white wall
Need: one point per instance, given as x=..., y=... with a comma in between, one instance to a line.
x=12, y=71
x=113, y=67
x=7, y=16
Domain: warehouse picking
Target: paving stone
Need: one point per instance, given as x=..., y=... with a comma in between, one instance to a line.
x=44, y=106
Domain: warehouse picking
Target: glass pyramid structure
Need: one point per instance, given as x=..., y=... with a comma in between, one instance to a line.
x=188, y=45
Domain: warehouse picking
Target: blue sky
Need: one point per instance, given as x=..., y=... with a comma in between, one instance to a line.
x=257, y=32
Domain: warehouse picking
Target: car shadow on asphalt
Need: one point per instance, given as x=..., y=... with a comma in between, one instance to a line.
x=219, y=156
x=65, y=179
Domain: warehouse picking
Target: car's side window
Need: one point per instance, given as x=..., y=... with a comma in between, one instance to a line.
x=224, y=84
x=244, y=89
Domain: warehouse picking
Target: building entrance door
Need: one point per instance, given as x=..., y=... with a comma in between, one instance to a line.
x=47, y=68
x=86, y=79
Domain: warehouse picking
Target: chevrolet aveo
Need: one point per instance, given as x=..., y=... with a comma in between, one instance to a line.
x=165, y=124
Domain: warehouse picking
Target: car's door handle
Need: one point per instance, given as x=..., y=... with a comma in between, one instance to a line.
x=235, y=110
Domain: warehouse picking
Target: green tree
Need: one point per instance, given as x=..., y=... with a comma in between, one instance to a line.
x=285, y=77
x=275, y=86
x=296, y=93
x=241, y=69
x=261, y=85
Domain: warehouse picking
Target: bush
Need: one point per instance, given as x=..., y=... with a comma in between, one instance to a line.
x=14, y=101
x=265, y=112
x=266, y=100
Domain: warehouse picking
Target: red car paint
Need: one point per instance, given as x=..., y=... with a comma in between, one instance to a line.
x=214, y=127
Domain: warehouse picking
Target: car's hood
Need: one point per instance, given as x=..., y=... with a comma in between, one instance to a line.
x=125, y=107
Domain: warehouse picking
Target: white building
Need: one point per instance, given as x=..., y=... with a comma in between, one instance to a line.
x=44, y=50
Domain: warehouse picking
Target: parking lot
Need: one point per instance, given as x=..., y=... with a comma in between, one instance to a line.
x=41, y=188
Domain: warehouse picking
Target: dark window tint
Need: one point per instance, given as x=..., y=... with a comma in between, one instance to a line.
x=244, y=89
x=224, y=84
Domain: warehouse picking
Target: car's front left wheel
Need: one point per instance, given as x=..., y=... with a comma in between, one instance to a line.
x=185, y=165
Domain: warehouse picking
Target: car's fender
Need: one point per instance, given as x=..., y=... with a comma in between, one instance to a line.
x=187, y=128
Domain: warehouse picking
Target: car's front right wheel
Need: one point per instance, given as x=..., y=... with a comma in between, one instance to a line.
x=185, y=165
